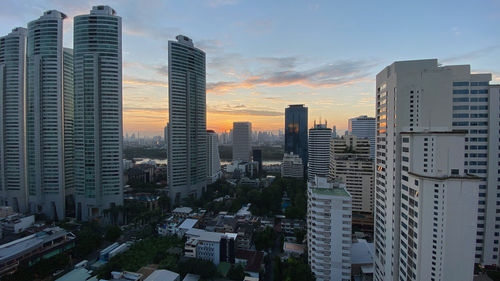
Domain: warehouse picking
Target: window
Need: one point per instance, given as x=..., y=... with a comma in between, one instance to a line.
x=460, y=99
x=460, y=92
x=460, y=84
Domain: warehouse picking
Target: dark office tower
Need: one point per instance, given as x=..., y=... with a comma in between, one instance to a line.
x=187, y=139
x=98, y=112
x=257, y=156
x=296, y=131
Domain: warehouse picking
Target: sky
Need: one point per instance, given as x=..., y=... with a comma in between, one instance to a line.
x=265, y=55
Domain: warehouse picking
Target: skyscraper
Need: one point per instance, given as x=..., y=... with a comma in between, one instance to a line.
x=329, y=229
x=12, y=138
x=319, y=151
x=45, y=115
x=213, y=158
x=420, y=95
x=242, y=141
x=350, y=161
x=364, y=127
x=98, y=112
x=187, y=138
x=296, y=131
x=69, y=117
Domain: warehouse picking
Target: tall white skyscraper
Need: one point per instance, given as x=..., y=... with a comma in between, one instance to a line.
x=438, y=208
x=364, y=127
x=319, y=151
x=242, y=141
x=187, y=140
x=98, y=112
x=213, y=159
x=45, y=115
x=350, y=161
x=12, y=131
x=329, y=230
x=417, y=95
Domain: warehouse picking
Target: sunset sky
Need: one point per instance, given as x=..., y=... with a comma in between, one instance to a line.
x=264, y=55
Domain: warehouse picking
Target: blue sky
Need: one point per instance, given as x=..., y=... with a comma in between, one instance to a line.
x=263, y=55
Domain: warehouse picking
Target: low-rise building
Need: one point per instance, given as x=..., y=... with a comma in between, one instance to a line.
x=362, y=254
x=16, y=223
x=125, y=276
x=176, y=226
x=251, y=260
x=182, y=212
x=293, y=249
x=163, y=275
x=289, y=226
x=292, y=166
x=32, y=248
x=212, y=246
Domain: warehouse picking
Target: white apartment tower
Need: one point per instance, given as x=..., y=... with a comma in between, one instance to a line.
x=213, y=159
x=187, y=139
x=329, y=227
x=350, y=161
x=242, y=141
x=98, y=112
x=45, y=116
x=438, y=208
x=363, y=127
x=319, y=151
x=413, y=96
x=12, y=128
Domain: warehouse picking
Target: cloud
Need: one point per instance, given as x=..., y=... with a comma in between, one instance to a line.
x=252, y=112
x=145, y=82
x=218, y=3
x=471, y=55
x=210, y=46
x=330, y=75
x=284, y=62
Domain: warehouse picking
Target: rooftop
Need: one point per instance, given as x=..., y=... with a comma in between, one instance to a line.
x=76, y=274
x=362, y=252
x=331, y=192
x=188, y=223
x=162, y=275
x=185, y=210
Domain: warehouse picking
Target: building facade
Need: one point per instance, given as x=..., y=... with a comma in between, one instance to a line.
x=98, y=112
x=438, y=208
x=329, y=230
x=319, y=151
x=187, y=140
x=242, y=141
x=12, y=127
x=296, y=127
x=364, y=127
x=214, y=171
x=292, y=166
x=350, y=161
x=45, y=115
x=417, y=95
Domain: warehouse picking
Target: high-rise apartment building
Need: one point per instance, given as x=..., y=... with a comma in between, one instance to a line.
x=319, y=151
x=350, y=161
x=296, y=131
x=45, y=115
x=329, y=230
x=213, y=158
x=69, y=118
x=98, y=112
x=292, y=166
x=420, y=95
x=438, y=208
x=187, y=138
x=12, y=128
x=364, y=127
x=242, y=141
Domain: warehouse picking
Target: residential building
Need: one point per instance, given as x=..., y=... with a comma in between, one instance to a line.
x=296, y=131
x=242, y=141
x=182, y=212
x=187, y=140
x=212, y=246
x=363, y=127
x=257, y=157
x=98, y=112
x=362, y=254
x=12, y=127
x=47, y=115
x=35, y=247
x=329, y=229
x=350, y=161
x=438, y=208
x=292, y=166
x=163, y=275
x=319, y=151
x=293, y=249
x=214, y=171
x=436, y=98
x=17, y=223
x=252, y=261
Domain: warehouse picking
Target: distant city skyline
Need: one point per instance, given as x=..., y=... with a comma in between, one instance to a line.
x=255, y=64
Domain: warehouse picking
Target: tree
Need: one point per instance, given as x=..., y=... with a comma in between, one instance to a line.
x=112, y=233
x=205, y=269
x=265, y=239
x=236, y=272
